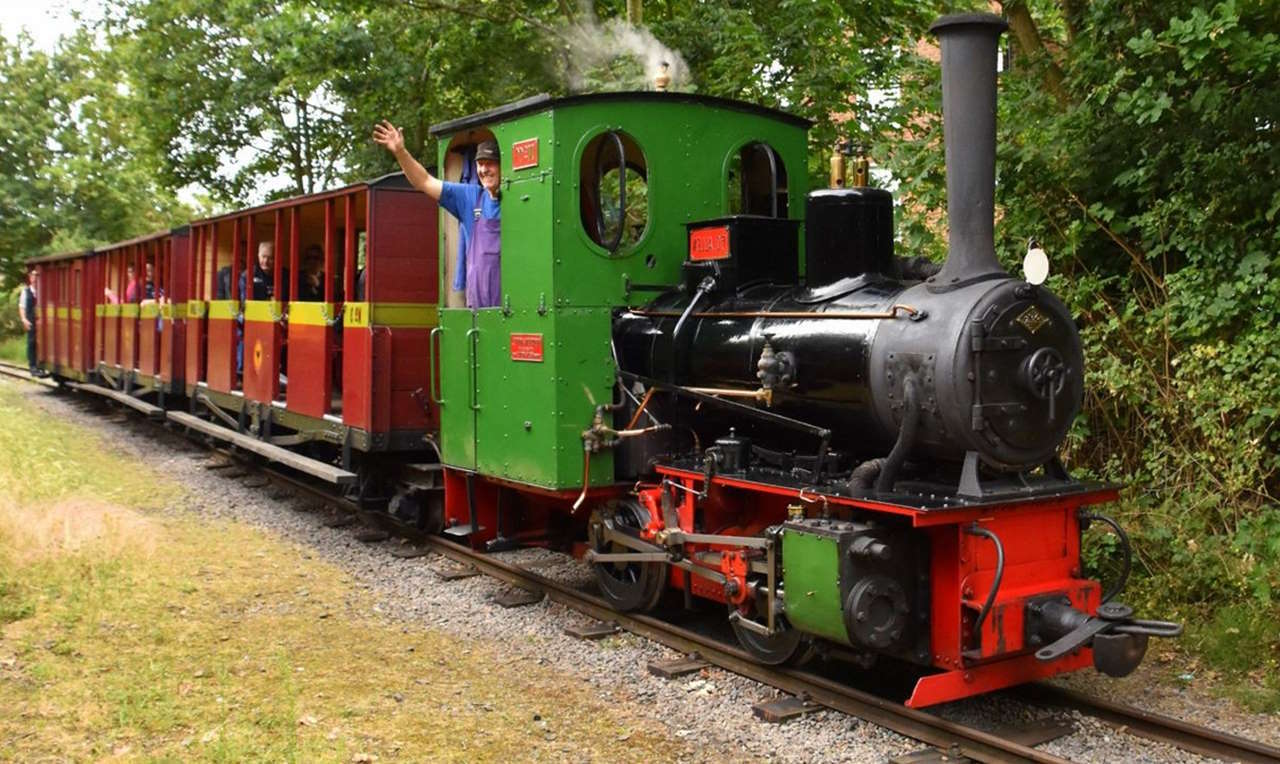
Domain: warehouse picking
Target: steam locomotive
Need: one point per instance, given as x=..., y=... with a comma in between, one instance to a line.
x=702, y=378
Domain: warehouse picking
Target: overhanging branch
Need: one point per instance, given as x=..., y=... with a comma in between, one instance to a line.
x=1031, y=43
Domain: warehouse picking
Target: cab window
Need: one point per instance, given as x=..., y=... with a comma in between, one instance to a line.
x=613, y=178
x=757, y=182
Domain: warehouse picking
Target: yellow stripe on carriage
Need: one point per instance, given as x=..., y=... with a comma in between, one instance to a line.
x=401, y=315
x=223, y=309
x=196, y=309
x=76, y=314
x=150, y=310
x=129, y=310
x=266, y=311
x=61, y=313
x=313, y=313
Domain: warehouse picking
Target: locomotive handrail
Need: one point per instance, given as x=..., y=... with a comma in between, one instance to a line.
x=431, y=366
x=612, y=246
x=742, y=408
x=472, y=353
x=892, y=312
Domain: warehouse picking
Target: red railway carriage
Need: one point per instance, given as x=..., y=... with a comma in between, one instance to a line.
x=64, y=334
x=140, y=332
x=326, y=337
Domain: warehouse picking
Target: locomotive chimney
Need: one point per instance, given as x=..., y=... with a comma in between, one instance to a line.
x=968, y=42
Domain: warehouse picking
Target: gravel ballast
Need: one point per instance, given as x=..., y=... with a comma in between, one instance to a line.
x=713, y=706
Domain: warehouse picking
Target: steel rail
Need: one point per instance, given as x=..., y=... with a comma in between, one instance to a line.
x=11, y=369
x=918, y=725
x=926, y=728
x=1195, y=738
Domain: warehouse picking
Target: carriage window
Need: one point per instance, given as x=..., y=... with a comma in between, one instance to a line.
x=614, y=191
x=757, y=182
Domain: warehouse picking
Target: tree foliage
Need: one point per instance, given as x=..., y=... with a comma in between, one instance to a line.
x=74, y=168
x=1138, y=143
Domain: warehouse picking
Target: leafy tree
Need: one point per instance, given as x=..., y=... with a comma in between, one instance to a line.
x=1138, y=143
x=26, y=84
x=74, y=170
x=235, y=93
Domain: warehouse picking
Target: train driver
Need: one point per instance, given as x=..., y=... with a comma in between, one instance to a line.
x=477, y=208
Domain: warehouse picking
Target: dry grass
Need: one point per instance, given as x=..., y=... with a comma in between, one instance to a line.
x=73, y=526
x=130, y=635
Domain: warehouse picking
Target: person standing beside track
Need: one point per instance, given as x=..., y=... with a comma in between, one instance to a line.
x=477, y=209
x=27, y=312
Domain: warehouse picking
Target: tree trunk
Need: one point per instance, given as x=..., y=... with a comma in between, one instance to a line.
x=635, y=12
x=1029, y=42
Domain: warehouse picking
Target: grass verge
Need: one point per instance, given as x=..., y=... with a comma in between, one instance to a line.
x=14, y=349
x=135, y=633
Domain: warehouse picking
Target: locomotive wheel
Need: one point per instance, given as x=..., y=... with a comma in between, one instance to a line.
x=790, y=647
x=628, y=586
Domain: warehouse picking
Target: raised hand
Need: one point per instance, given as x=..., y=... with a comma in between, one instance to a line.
x=389, y=136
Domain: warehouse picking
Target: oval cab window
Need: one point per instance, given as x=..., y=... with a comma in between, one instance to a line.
x=614, y=191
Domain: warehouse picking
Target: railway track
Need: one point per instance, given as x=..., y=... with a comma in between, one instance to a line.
x=957, y=741
x=10, y=369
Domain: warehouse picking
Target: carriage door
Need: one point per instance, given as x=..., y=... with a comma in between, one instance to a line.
x=455, y=368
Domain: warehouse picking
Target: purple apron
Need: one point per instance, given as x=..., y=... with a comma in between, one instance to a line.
x=483, y=272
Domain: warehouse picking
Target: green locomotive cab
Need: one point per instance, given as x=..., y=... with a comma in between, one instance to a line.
x=596, y=194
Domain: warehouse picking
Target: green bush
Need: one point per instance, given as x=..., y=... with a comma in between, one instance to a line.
x=10, y=320
x=1141, y=146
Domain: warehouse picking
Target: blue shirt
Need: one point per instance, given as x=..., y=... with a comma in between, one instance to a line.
x=461, y=200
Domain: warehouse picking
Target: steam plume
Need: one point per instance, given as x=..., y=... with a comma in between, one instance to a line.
x=591, y=49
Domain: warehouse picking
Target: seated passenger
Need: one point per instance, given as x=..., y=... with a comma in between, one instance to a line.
x=132, y=289
x=222, y=290
x=149, y=292
x=311, y=284
x=149, y=282
x=477, y=209
x=264, y=277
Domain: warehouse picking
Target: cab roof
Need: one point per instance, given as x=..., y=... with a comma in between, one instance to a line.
x=544, y=102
